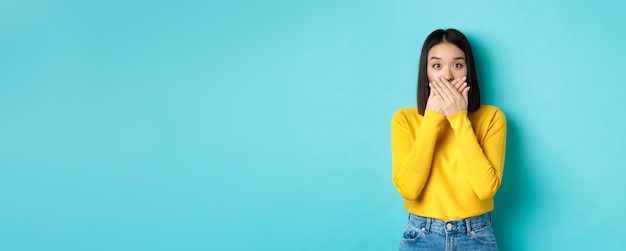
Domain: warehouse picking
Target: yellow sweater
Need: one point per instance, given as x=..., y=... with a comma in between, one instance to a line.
x=448, y=168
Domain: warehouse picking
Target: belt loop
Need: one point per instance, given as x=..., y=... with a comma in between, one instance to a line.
x=468, y=226
x=428, y=220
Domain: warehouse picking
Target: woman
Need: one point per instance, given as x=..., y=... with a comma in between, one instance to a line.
x=448, y=153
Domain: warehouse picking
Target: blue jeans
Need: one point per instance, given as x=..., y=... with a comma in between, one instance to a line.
x=432, y=234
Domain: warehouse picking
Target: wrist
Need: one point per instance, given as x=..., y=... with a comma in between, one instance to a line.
x=456, y=113
x=433, y=111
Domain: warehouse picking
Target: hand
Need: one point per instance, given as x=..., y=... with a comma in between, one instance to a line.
x=434, y=102
x=453, y=94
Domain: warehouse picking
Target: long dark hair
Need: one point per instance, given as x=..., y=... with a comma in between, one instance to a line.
x=457, y=38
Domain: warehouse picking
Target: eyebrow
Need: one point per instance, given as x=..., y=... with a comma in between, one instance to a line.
x=438, y=58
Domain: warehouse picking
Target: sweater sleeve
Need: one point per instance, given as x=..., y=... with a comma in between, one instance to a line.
x=412, y=157
x=481, y=159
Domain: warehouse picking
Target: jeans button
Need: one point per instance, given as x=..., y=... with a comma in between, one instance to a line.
x=449, y=226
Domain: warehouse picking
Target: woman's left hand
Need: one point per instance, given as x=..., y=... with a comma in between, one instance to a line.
x=454, y=98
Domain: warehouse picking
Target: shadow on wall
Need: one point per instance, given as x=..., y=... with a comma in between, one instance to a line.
x=514, y=198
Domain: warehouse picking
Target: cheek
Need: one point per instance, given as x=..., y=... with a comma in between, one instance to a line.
x=431, y=76
x=463, y=72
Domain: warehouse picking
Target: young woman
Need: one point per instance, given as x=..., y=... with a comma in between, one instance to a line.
x=448, y=153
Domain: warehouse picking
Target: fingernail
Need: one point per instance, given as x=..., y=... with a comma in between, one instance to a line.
x=464, y=78
x=464, y=84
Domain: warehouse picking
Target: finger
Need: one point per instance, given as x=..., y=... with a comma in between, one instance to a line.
x=438, y=97
x=452, y=84
x=431, y=92
x=446, y=90
x=462, y=87
x=458, y=83
x=452, y=90
x=462, y=84
x=436, y=88
x=466, y=94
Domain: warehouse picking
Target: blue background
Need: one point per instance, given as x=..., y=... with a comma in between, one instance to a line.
x=265, y=125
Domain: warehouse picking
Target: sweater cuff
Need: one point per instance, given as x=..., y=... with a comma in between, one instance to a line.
x=433, y=114
x=457, y=117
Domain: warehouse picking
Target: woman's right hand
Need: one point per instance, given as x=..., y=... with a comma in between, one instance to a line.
x=434, y=101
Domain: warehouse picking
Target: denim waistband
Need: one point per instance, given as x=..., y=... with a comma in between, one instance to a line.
x=451, y=226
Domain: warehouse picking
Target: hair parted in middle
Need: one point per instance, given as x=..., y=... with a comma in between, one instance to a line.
x=457, y=38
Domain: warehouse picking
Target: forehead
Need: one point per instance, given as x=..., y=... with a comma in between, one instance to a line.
x=445, y=51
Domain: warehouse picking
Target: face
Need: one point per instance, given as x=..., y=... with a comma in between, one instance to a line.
x=446, y=60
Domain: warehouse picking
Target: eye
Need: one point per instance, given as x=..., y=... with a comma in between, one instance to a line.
x=437, y=66
x=458, y=66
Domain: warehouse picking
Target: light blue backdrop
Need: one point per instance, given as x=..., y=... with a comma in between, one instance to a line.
x=264, y=125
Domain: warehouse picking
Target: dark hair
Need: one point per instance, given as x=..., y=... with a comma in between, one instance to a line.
x=457, y=38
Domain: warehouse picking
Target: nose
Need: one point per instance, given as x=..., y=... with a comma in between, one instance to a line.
x=447, y=74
